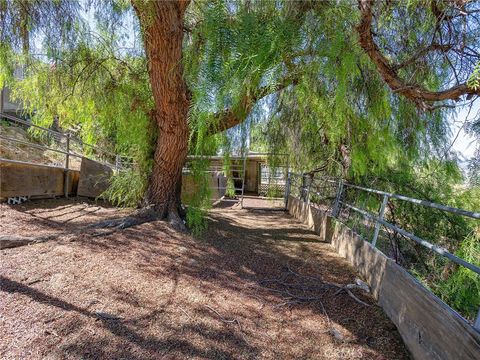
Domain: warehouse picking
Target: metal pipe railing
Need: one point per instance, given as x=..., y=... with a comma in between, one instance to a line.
x=462, y=212
x=24, y=122
x=37, y=146
x=68, y=137
x=439, y=250
x=379, y=219
x=457, y=211
x=56, y=133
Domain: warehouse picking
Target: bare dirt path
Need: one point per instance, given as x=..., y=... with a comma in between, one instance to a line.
x=149, y=292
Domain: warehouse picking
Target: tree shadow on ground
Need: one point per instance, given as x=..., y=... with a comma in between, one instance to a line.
x=206, y=297
x=117, y=327
x=234, y=254
x=54, y=214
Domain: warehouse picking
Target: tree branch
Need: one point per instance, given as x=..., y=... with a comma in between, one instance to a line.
x=422, y=97
x=229, y=118
x=422, y=52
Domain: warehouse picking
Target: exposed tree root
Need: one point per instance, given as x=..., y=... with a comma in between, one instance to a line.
x=223, y=319
x=296, y=288
x=138, y=217
x=230, y=321
x=12, y=241
x=176, y=221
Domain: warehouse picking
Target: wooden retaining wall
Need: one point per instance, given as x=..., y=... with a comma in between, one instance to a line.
x=24, y=179
x=20, y=179
x=94, y=178
x=430, y=328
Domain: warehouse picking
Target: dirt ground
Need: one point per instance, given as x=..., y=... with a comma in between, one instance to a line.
x=247, y=289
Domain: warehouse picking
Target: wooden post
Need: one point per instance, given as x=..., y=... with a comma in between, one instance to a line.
x=243, y=177
x=67, y=164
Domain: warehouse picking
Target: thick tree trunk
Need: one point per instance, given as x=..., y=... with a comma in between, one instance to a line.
x=162, y=22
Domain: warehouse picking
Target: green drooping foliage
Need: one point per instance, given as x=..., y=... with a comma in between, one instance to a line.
x=322, y=93
x=297, y=75
x=48, y=22
x=95, y=83
x=293, y=71
x=461, y=287
x=474, y=79
x=473, y=128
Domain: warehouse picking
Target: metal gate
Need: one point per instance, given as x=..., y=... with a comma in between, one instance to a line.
x=228, y=179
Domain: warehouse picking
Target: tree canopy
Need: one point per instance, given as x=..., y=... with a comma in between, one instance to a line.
x=356, y=88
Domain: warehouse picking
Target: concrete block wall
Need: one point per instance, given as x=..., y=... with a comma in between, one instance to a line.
x=429, y=328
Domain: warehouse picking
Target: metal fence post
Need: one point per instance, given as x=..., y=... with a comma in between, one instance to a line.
x=307, y=196
x=67, y=164
x=287, y=189
x=476, y=324
x=336, y=206
x=380, y=216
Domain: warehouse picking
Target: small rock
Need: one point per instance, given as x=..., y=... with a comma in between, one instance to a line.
x=336, y=334
x=362, y=285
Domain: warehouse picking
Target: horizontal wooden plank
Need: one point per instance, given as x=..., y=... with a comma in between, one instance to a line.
x=94, y=178
x=20, y=179
x=428, y=326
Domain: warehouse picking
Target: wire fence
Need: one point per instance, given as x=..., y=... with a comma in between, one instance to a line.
x=419, y=235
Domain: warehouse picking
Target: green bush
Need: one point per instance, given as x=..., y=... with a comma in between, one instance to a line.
x=127, y=188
